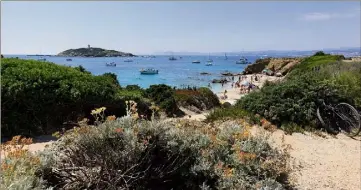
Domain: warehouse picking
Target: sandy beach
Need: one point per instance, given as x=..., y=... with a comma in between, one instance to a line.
x=233, y=94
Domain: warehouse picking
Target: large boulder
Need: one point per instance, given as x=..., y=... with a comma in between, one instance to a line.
x=281, y=65
x=257, y=66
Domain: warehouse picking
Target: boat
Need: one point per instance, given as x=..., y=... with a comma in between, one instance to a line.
x=242, y=60
x=148, y=71
x=172, y=58
x=196, y=61
x=112, y=64
x=41, y=59
x=209, y=59
x=128, y=60
x=225, y=56
x=209, y=64
x=69, y=60
x=226, y=73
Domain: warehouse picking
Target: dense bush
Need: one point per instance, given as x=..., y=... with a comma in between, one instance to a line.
x=292, y=103
x=232, y=112
x=163, y=95
x=347, y=78
x=320, y=53
x=296, y=99
x=37, y=97
x=202, y=98
x=130, y=154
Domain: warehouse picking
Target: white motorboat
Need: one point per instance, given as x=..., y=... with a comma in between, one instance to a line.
x=128, y=60
x=112, y=64
x=242, y=60
x=148, y=71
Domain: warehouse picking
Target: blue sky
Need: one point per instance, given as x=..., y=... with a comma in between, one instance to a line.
x=148, y=27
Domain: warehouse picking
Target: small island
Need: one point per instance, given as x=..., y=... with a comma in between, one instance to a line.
x=93, y=52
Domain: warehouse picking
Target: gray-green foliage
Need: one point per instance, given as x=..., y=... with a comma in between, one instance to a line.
x=128, y=154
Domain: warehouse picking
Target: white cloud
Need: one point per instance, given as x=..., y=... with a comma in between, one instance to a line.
x=327, y=16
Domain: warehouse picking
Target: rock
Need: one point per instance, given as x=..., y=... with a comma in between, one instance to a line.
x=194, y=109
x=257, y=66
x=278, y=74
x=281, y=65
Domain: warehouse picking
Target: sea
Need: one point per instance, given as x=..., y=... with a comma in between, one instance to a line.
x=179, y=73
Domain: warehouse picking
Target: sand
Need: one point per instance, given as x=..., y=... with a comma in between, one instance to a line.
x=233, y=94
x=321, y=162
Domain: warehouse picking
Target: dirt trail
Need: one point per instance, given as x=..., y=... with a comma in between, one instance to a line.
x=322, y=163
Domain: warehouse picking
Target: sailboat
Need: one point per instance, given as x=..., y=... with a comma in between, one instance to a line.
x=209, y=59
x=225, y=56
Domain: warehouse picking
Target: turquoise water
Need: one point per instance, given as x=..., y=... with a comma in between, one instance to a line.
x=181, y=72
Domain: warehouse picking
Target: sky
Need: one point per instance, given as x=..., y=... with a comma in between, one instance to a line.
x=149, y=27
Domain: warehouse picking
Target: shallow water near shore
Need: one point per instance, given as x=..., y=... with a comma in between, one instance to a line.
x=179, y=73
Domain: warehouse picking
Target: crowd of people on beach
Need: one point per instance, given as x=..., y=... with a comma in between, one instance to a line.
x=243, y=83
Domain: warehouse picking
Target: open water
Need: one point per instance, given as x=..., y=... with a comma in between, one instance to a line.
x=181, y=72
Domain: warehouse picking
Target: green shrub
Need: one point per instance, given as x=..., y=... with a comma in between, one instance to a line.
x=232, y=112
x=82, y=69
x=311, y=63
x=37, y=97
x=202, y=98
x=163, y=95
x=347, y=77
x=320, y=53
x=126, y=154
x=133, y=87
x=291, y=101
x=294, y=101
x=113, y=77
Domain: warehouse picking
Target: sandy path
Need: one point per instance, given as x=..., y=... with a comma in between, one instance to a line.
x=322, y=163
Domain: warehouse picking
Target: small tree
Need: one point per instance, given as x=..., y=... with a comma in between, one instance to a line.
x=319, y=53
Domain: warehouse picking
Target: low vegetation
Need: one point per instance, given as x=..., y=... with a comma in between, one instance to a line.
x=39, y=97
x=198, y=99
x=292, y=103
x=128, y=153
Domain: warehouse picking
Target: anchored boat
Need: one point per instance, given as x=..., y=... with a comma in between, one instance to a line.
x=148, y=71
x=242, y=60
x=112, y=64
x=128, y=60
x=209, y=59
x=196, y=61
